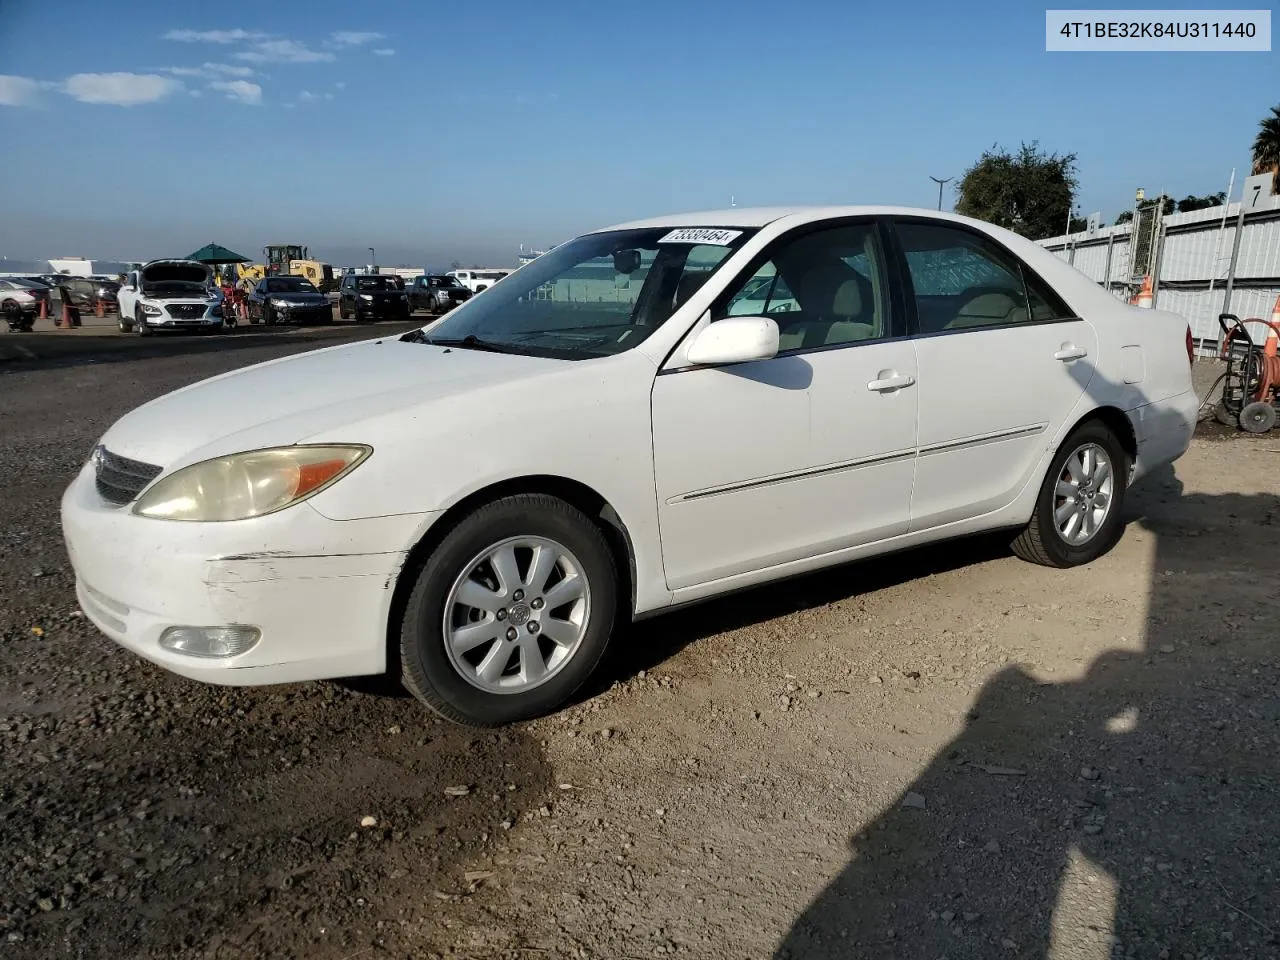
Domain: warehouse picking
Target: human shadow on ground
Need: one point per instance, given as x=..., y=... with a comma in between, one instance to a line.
x=1147, y=787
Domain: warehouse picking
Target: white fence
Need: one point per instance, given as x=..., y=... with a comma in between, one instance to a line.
x=1202, y=264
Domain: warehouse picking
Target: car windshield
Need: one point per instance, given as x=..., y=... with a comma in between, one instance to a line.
x=598, y=295
x=290, y=285
x=445, y=282
x=376, y=283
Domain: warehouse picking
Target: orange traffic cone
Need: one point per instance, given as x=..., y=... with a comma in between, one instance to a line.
x=44, y=308
x=1144, y=297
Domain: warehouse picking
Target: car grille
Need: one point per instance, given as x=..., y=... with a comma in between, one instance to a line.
x=120, y=479
x=186, y=311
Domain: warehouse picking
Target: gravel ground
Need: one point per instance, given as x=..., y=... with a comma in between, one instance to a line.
x=946, y=753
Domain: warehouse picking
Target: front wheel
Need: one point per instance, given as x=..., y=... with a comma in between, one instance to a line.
x=140, y=323
x=511, y=613
x=1077, y=512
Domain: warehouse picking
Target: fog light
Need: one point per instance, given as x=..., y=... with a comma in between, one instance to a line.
x=210, y=641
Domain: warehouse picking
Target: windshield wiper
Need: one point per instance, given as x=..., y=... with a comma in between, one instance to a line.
x=472, y=342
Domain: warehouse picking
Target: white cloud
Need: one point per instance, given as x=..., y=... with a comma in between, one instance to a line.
x=385, y=52
x=209, y=71
x=353, y=38
x=17, y=91
x=241, y=90
x=306, y=95
x=213, y=36
x=340, y=85
x=229, y=69
x=283, y=51
x=120, y=89
x=328, y=96
x=196, y=93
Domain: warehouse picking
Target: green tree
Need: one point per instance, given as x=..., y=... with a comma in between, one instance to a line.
x=1266, y=148
x=1125, y=216
x=1192, y=202
x=1029, y=192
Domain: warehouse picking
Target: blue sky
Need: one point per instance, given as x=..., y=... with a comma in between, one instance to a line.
x=445, y=131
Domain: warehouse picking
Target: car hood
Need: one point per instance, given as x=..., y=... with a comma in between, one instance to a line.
x=176, y=271
x=291, y=399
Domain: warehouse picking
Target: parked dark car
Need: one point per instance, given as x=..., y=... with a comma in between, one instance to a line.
x=436, y=293
x=86, y=292
x=287, y=300
x=371, y=297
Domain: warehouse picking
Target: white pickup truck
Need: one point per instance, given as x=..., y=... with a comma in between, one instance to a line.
x=170, y=295
x=476, y=279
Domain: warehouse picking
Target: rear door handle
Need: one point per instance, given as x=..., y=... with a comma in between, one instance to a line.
x=1069, y=352
x=892, y=382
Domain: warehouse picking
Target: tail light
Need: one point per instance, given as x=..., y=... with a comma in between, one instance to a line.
x=1191, y=347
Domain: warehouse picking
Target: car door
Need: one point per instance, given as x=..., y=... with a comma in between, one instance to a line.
x=126, y=298
x=812, y=451
x=1003, y=363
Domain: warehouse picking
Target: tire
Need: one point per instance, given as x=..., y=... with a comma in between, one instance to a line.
x=1224, y=416
x=1258, y=417
x=342, y=311
x=433, y=673
x=12, y=315
x=125, y=325
x=1041, y=541
x=268, y=315
x=432, y=306
x=140, y=323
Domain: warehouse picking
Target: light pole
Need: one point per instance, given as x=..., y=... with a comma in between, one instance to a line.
x=940, y=183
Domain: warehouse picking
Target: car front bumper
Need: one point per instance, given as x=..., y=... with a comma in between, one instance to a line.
x=385, y=308
x=318, y=590
x=317, y=313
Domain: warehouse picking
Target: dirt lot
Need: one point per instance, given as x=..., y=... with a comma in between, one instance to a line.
x=948, y=753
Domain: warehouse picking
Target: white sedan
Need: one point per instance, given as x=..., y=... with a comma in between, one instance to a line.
x=474, y=506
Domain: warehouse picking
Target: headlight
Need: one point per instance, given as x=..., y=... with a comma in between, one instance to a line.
x=366, y=296
x=250, y=484
x=283, y=304
x=151, y=311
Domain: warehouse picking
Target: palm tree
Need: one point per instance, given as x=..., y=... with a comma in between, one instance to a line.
x=1266, y=148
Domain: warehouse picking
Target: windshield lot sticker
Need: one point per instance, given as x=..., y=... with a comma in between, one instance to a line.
x=720, y=238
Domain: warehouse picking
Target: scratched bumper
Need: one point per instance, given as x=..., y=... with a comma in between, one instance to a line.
x=318, y=589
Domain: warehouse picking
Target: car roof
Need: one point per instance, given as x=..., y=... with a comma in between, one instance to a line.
x=754, y=217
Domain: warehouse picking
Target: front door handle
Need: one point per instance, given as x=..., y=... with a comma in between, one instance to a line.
x=889, y=381
x=1070, y=352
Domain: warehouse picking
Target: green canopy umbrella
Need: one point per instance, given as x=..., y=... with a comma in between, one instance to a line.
x=212, y=253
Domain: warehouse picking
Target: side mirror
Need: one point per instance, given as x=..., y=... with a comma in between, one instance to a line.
x=735, y=340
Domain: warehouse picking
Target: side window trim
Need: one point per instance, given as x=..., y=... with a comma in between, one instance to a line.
x=1025, y=275
x=897, y=326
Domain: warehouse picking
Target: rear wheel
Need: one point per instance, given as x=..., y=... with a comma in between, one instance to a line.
x=12, y=315
x=1077, y=512
x=511, y=613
